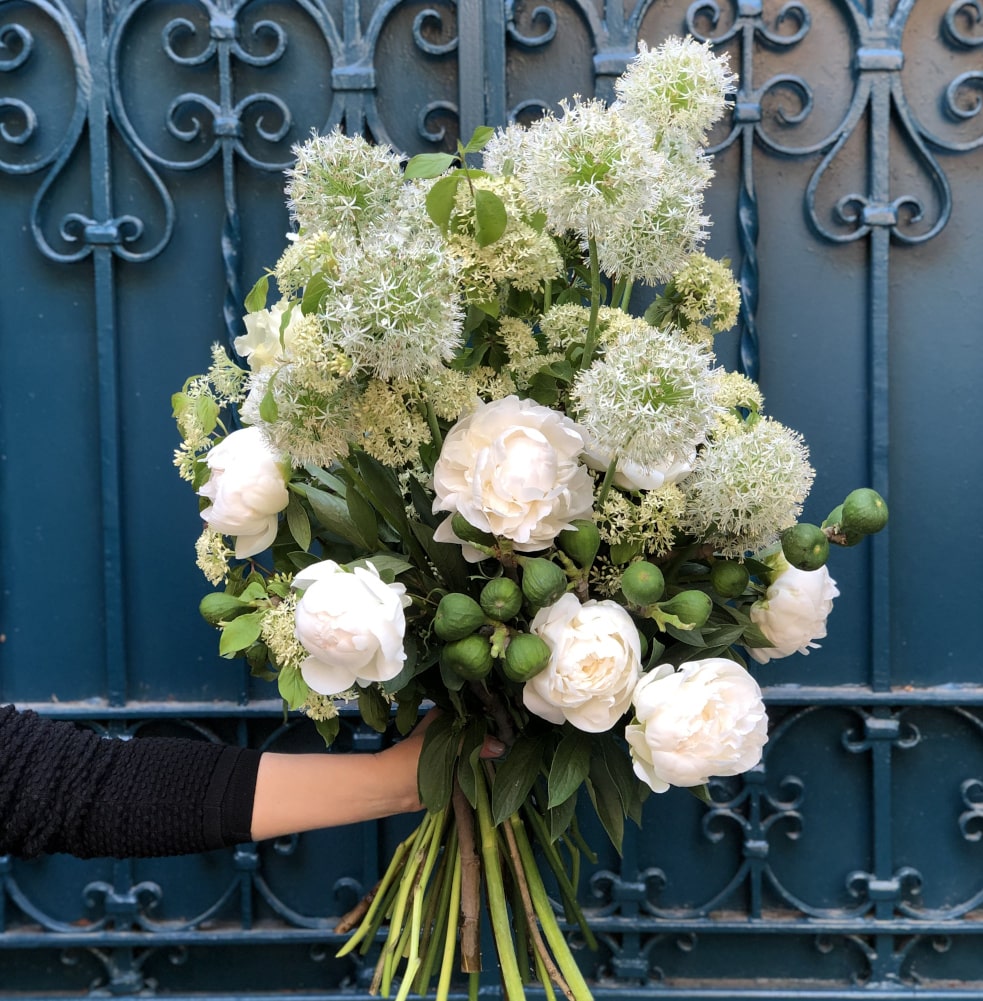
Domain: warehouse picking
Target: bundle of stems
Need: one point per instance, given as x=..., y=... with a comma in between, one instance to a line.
x=427, y=907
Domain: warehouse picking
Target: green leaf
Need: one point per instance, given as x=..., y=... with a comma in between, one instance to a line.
x=328, y=729
x=752, y=636
x=395, y=685
x=407, y=713
x=269, y=411
x=440, y=200
x=331, y=511
x=514, y=776
x=389, y=565
x=435, y=773
x=293, y=688
x=561, y=816
x=607, y=802
x=240, y=633
x=363, y=515
x=221, y=607
x=626, y=783
x=314, y=293
x=256, y=299
x=425, y=165
x=258, y=659
x=571, y=765
x=334, y=483
x=298, y=523
x=373, y=707
x=422, y=503
x=206, y=413
x=470, y=759
x=445, y=556
x=479, y=139
x=490, y=217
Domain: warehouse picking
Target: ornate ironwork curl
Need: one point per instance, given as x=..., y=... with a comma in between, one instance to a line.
x=542, y=14
x=423, y=43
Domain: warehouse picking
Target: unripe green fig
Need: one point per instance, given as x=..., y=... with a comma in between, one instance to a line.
x=457, y=616
x=542, y=581
x=525, y=656
x=501, y=599
x=864, y=512
x=469, y=658
x=581, y=542
x=805, y=546
x=834, y=520
x=729, y=578
x=642, y=583
x=690, y=607
x=466, y=532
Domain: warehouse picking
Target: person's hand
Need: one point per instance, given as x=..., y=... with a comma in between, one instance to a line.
x=402, y=761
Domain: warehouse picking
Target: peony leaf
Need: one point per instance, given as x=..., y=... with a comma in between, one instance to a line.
x=470, y=760
x=240, y=633
x=314, y=293
x=622, y=775
x=561, y=815
x=435, y=773
x=298, y=523
x=373, y=707
x=607, y=802
x=515, y=776
x=331, y=511
x=571, y=764
x=490, y=217
x=363, y=515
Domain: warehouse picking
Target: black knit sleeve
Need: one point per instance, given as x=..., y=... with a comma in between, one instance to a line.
x=66, y=789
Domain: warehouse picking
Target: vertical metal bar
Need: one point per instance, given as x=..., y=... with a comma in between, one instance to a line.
x=114, y=631
x=470, y=67
x=496, y=105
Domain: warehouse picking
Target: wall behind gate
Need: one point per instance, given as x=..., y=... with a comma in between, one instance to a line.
x=142, y=144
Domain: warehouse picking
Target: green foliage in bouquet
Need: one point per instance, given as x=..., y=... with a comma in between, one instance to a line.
x=468, y=475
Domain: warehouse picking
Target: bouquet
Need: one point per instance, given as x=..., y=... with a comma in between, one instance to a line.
x=451, y=466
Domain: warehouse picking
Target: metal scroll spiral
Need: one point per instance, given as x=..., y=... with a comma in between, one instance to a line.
x=20, y=126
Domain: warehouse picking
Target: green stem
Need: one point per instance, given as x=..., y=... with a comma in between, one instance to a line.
x=626, y=295
x=439, y=908
x=547, y=920
x=495, y=893
x=590, y=342
x=428, y=412
x=450, y=938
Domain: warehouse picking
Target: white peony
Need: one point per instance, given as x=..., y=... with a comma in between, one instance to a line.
x=595, y=661
x=512, y=467
x=630, y=475
x=247, y=490
x=262, y=345
x=351, y=624
x=793, y=612
x=707, y=718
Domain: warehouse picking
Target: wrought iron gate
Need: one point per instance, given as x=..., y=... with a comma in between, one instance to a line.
x=141, y=144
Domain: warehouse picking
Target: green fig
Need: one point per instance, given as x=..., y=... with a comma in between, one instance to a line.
x=457, y=616
x=469, y=658
x=805, y=546
x=864, y=512
x=542, y=581
x=525, y=656
x=501, y=599
x=642, y=583
x=729, y=578
x=581, y=542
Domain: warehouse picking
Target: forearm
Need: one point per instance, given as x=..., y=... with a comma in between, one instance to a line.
x=303, y=792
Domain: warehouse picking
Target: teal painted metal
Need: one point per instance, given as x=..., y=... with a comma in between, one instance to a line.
x=141, y=145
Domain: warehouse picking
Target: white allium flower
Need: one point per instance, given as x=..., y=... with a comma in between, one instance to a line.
x=352, y=626
x=393, y=306
x=677, y=90
x=594, y=665
x=506, y=150
x=631, y=475
x=747, y=487
x=585, y=169
x=793, y=612
x=706, y=718
x=512, y=467
x=650, y=399
x=655, y=241
x=247, y=490
x=342, y=183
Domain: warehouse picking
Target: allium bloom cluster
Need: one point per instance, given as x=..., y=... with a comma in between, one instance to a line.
x=677, y=90
x=594, y=665
x=342, y=182
x=247, y=491
x=706, y=718
x=649, y=401
x=747, y=486
x=793, y=612
x=512, y=467
x=351, y=625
